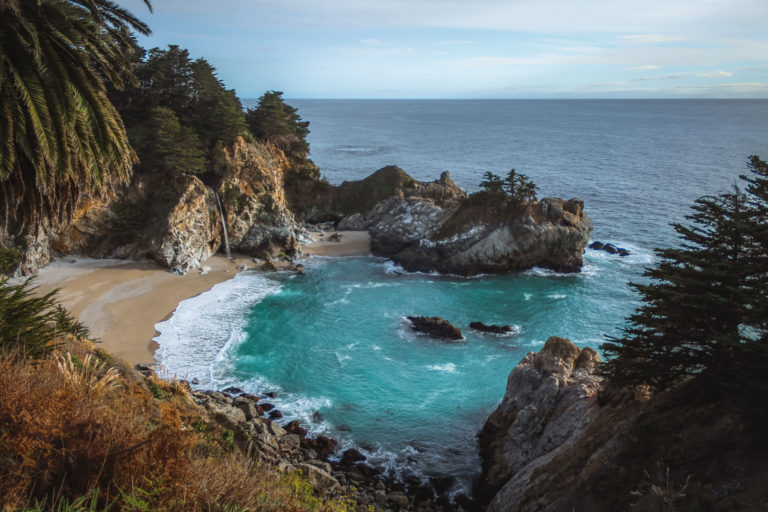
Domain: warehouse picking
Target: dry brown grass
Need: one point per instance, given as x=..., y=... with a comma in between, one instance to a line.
x=69, y=427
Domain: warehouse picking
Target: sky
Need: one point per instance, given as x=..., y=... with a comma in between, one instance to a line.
x=473, y=48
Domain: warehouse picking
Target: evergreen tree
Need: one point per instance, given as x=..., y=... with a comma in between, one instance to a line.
x=706, y=307
x=519, y=188
x=189, y=88
x=173, y=148
x=492, y=183
x=278, y=123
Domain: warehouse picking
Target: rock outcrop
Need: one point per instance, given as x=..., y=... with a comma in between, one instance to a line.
x=179, y=228
x=435, y=327
x=176, y=221
x=551, y=398
x=258, y=219
x=435, y=227
x=561, y=441
x=492, y=329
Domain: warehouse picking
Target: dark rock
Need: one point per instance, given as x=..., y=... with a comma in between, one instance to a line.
x=596, y=245
x=269, y=266
x=300, y=270
x=266, y=407
x=271, y=394
x=295, y=427
x=275, y=415
x=317, y=417
x=610, y=249
x=336, y=237
x=233, y=390
x=442, y=484
x=623, y=252
x=494, y=329
x=350, y=457
x=323, y=445
x=250, y=397
x=435, y=327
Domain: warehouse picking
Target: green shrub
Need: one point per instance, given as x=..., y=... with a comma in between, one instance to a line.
x=32, y=323
x=10, y=257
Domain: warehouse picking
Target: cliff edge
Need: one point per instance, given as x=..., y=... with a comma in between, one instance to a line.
x=561, y=441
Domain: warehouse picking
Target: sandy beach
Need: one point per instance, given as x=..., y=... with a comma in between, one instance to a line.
x=121, y=300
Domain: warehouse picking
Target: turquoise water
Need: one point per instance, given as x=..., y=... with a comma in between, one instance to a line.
x=334, y=344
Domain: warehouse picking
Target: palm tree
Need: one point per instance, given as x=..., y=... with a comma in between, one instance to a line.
x=59, y=134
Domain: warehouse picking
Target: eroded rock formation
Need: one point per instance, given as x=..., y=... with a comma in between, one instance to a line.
x=436, y=227
x=551, y=398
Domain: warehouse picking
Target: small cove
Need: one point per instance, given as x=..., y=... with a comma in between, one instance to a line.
x=335, y=347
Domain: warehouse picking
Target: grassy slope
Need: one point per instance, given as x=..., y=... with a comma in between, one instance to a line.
x=81, y=434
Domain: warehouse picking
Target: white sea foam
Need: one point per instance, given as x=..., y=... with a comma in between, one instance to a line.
x=448, y=367
x=203, y=329
x=557, y=296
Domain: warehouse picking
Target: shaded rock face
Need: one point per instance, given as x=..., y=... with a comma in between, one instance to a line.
x=551, y=398
x=433, y=227
x=179, y=232
x=258, y=219
x=435, y=327
x=177, y=222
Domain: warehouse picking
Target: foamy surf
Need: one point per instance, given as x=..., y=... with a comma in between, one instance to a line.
x=203, y=329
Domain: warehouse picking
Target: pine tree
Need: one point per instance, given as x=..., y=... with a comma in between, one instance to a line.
x=492, y=183
x=705, y=310
x=278, y=123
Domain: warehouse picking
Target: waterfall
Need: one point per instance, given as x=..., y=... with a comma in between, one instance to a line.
x=223, y=225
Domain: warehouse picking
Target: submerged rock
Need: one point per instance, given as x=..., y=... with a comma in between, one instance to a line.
x=493, y=329
x=609, y=248
x=435, y=327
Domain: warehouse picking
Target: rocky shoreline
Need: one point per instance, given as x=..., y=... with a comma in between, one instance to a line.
x=288, y=449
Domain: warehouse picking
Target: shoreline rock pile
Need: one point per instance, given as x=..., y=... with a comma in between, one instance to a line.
x=289, y=449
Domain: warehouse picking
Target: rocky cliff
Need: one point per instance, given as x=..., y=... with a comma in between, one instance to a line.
x=434, y=226
x=560, y=442
x=176, y=221
x=551, y=397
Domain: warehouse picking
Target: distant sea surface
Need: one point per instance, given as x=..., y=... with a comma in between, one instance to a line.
x=334, y=343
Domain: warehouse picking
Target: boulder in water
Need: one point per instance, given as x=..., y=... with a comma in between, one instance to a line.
x=493, y=328
x=596, y=245
x=435, y=327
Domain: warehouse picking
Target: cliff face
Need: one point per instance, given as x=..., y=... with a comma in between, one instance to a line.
x=551, y=446
x=550, y=399
x=435, y=227
x=176, y=220
x=258, y=220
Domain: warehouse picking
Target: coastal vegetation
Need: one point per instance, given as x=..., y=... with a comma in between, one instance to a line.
x=60, y=135
x=705, y=311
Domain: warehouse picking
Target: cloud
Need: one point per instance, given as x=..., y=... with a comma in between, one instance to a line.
x=715, y=74
x=485, y=61
x=674, y=76
x=651, y=38
x=649, y=67
x=372, y=42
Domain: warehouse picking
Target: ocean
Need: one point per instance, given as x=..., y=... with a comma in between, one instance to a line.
x=334, y=344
